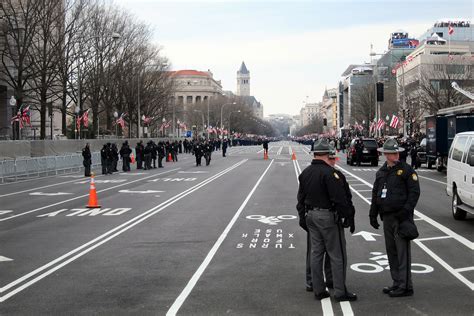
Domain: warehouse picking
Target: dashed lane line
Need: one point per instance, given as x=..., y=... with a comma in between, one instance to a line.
x=103, y=238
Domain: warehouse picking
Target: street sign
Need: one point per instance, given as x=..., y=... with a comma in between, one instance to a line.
x=189, y=134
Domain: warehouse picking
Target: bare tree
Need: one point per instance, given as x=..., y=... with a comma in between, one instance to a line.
x=364, y=104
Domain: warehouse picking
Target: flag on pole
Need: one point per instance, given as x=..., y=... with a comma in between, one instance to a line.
x=450, y=30
x=85, y=118
x=147, y=120
x=120, y=121
x=372, y=127
x=380, y=124
x=394, y=122
x=16, y=118
x=26, y=116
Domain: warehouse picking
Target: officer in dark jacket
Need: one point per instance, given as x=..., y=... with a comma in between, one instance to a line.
x=161, y=154
x=115, y=157
x=139, y=154
x=86, y=154
x=265, y=146
x=394, y=196
x=125, y=152
x=147, y=155
x=154, y=153
x=359, y=148
x=322, y=205
x=224, y=147
x=414, y=155
x=198, y=152
x=105, y=156
x=208, y=148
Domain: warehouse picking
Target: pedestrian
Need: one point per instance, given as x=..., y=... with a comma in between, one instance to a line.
x=224, y=147
x=265, y=146
x=198, y=152
x=323, y=208
x=104, y=154
x=86, y=154
x=110, y=159
x=139, y=154
x=161, y=154
x=359, y=148
x=208, y=148
x=180, y=147
x=125, y=153
x=115, y=157
x=394, y=196
x=147, y=155
x=154, y=153
x=414, y=155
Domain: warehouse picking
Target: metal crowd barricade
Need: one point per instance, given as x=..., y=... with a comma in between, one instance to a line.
x=12, y=170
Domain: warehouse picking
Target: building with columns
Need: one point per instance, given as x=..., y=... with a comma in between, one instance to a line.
x=193, y=86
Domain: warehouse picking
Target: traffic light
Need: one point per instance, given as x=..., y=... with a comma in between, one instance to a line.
x=379, y=86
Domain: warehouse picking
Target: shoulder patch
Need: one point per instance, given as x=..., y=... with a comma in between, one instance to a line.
x=336, y=175
x=399, y=172
x=414, y=177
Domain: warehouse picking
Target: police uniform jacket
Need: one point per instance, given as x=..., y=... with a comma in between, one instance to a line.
x=403, y=190
x=322, y=187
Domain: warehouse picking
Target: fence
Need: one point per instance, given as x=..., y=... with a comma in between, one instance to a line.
x=28, y=168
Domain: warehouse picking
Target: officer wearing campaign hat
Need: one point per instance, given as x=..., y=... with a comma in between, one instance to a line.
x=322, y=203
x=394, y=196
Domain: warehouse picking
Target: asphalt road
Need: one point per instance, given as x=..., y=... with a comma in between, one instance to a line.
x=222, y=239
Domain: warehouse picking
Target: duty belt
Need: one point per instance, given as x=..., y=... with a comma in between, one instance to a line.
x=318, y=209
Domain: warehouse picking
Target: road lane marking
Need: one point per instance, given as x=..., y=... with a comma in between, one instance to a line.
x=464, y=269
x=82, y=196
x=3, y=259
x=140, y=192
x=279, y=151
x=100, y=240
x=196, y=276
x=441, y=227
x=443, y=183
x=326, y=303
x=49, y=194
x=434, y=238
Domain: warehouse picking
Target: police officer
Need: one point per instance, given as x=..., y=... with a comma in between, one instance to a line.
x=394, y=196
x=161, y=154
x=322, y=203
x=86, y=154
x=139, y=154
x=265, y=146
x=104, y=159
x=208, y=148
x=125, y=152
x=115, y=157
x=224, y=147
x=147, y=155
x=198, y=152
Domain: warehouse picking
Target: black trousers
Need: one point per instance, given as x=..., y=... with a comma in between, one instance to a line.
x=398, y=252
x=198, y=160
x=87, y=168
x=160, y=161
x=126, y=163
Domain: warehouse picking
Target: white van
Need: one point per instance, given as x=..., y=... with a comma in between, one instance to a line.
x=460, y=177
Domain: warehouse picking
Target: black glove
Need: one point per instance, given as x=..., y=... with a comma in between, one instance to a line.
x=349, y=222
x=374, y=223
x=403, y=215
x=303, y=223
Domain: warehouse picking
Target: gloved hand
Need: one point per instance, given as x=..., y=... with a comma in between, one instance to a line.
x=374, y=223
x=403, y=215
x=349, y=222
x=303, y=223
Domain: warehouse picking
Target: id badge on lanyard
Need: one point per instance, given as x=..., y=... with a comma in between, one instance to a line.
x=384, y=192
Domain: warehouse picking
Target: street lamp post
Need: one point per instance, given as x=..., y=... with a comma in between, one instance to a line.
x=13, y=104
x=77, y=110
x=116, y=128
x=202, y=115
x=222, y=110
x=163, y=129
x=230, y=116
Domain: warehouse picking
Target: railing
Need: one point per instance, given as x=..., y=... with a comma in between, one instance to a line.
x=28, y=168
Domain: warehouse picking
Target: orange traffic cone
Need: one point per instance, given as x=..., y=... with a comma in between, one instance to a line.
x=265, y=156
x=293, y=156
x=169, y=157
x=93, y=203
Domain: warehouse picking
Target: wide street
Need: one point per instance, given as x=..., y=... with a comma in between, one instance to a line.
x=222, y=239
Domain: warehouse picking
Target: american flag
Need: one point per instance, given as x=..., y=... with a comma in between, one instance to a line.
x=394, y=122
x=450, y=30
x=120, y=121
x=16, y=118
x=147, y=120
x=372, y=127
x=183, y=126
x=85, y=118
x=26, y=116
x=380, y=124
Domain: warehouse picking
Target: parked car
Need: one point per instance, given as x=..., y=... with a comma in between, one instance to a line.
x=460, y=175
x=369, y=152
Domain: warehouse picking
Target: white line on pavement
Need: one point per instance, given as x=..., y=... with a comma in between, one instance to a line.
x=195, y=278
x=441, y=182
x=441, y=227
x=279, y=151
x=80, y=197
x=100, y=240
x=434, y=238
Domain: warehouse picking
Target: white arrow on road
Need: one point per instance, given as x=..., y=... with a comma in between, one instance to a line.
x=49, y=194
x=368, y=236
x=140, y=192
x=2, y=258
x=193, y=172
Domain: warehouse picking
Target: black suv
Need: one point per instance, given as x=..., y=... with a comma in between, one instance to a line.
x=369, y=152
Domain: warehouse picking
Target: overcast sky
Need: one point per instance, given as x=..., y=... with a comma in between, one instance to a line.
x=293, y=49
